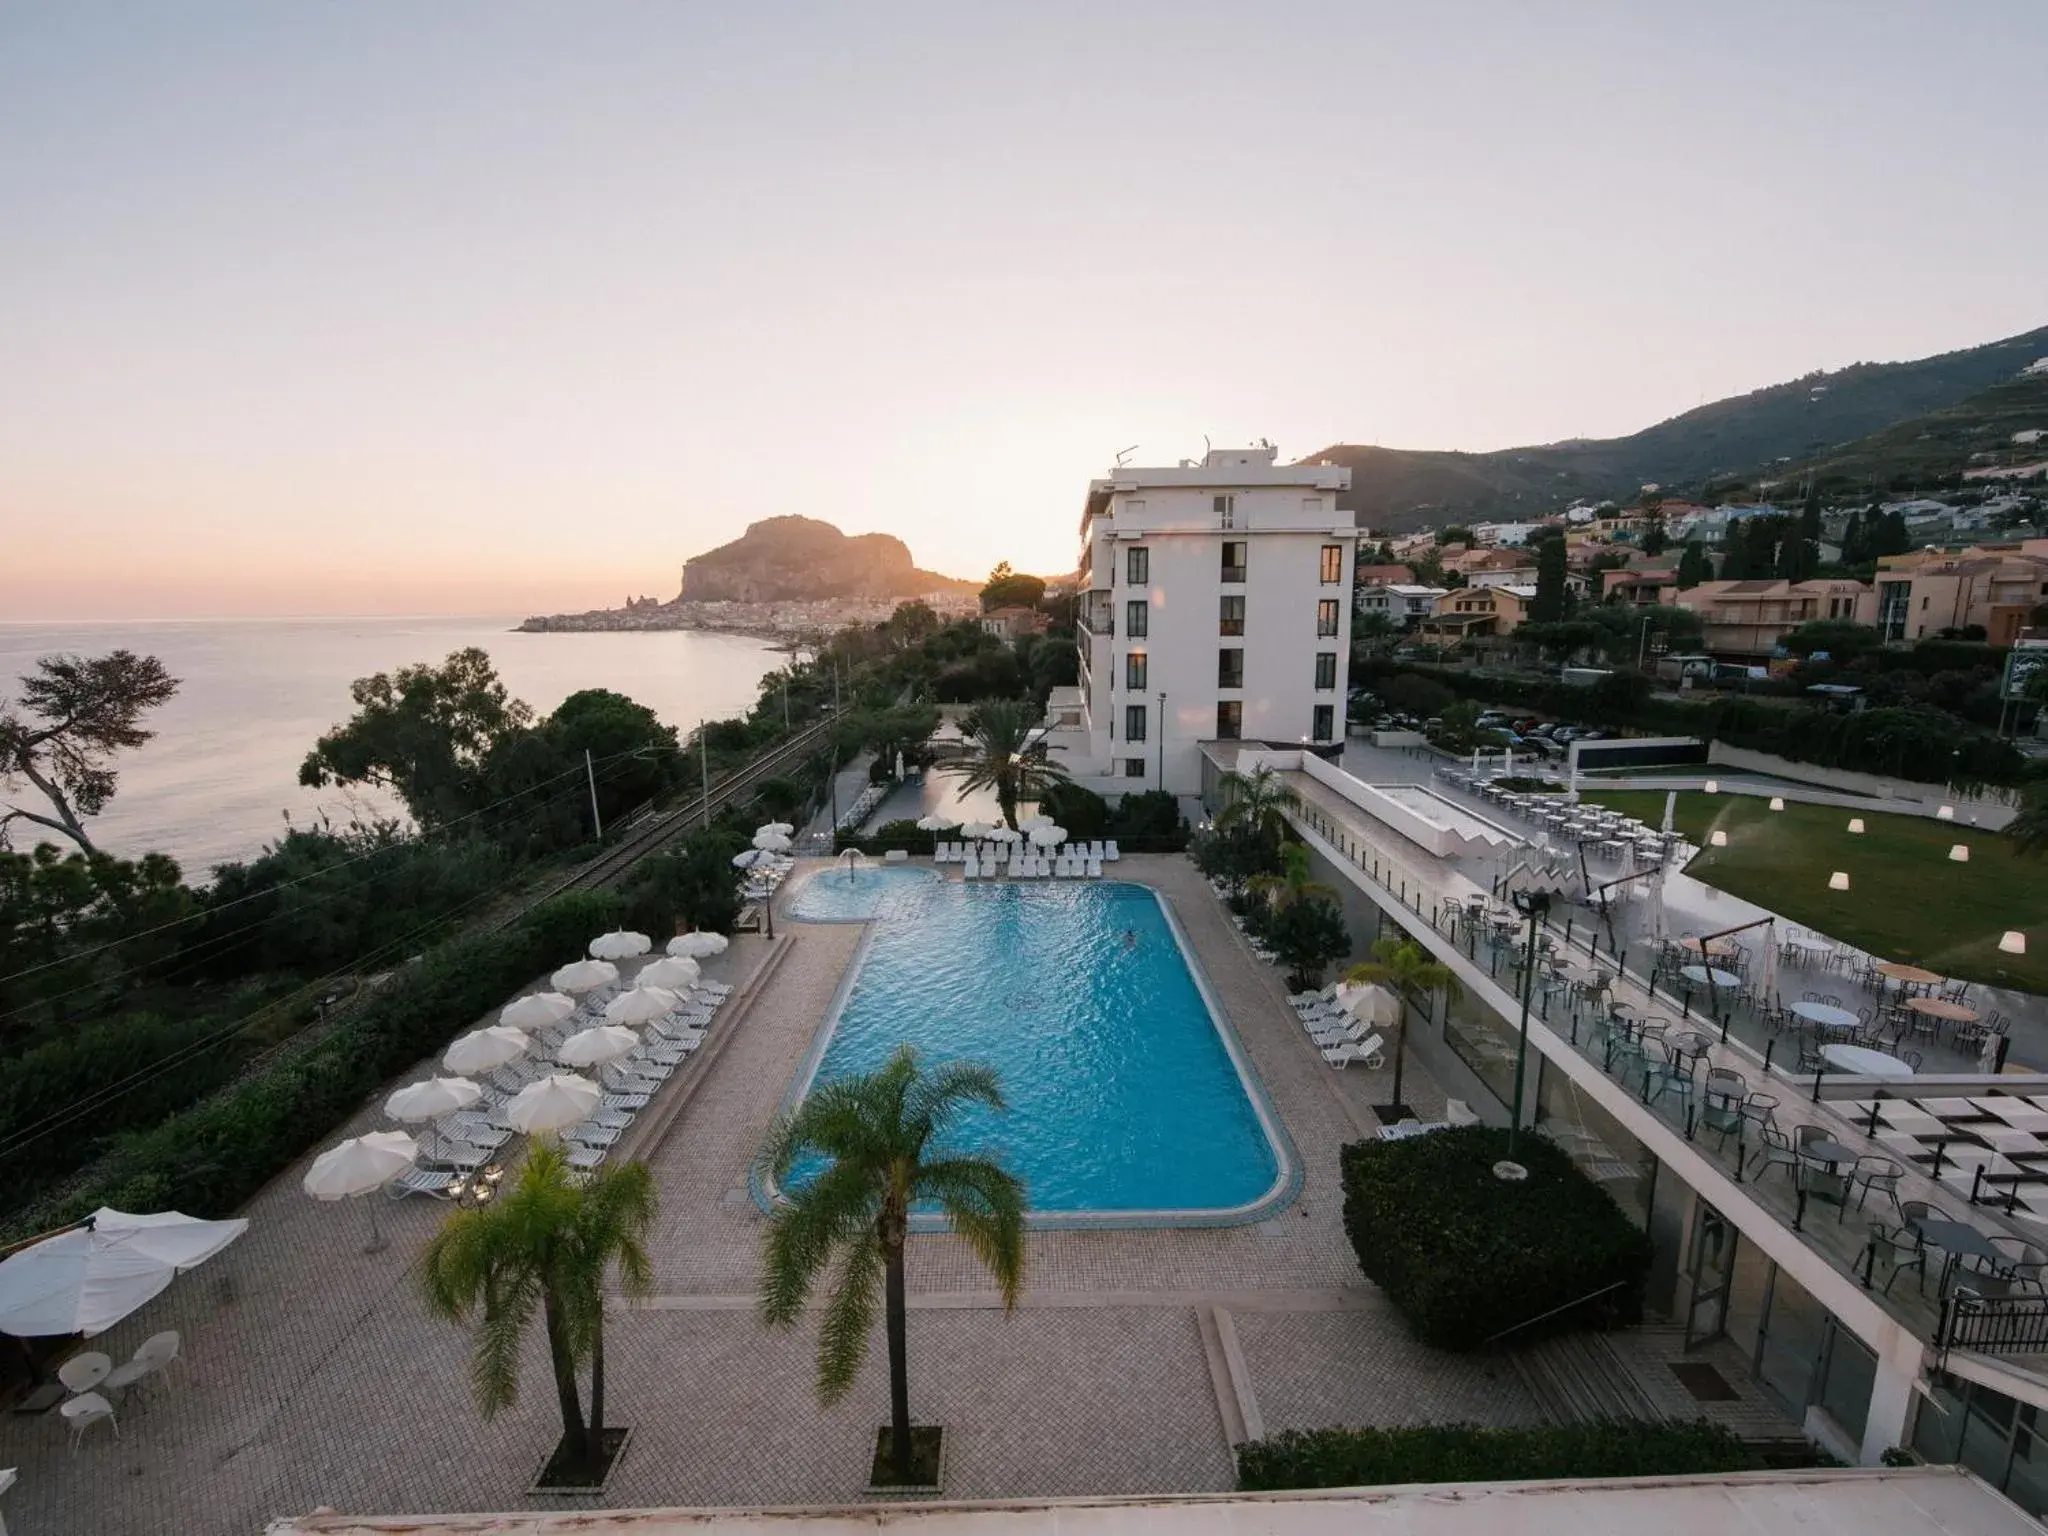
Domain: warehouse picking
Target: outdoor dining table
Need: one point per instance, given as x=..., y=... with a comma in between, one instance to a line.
x=1827, y=1015
x=1942, y=1008
x=1804, y=946
x=1704, y=974
x=1956, y=1240
x=1864, y=1062
x=1714, y=948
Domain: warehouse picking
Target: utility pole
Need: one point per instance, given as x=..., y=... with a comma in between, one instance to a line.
x=704, y=760
x=1532, y=905
x=785, y=700
x=596, y=821
x=1642, y=645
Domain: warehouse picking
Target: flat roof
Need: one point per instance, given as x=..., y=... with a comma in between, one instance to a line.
x=1904, y=1501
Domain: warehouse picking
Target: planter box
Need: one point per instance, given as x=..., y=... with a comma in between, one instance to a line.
x=620, y=1439
x=918, y=1441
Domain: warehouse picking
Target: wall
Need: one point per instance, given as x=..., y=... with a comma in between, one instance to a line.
x=1902, y=797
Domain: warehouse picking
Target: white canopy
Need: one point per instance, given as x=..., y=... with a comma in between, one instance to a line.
x=482, y=1049
x=1048, y=836
x=593, y=1047
x=774, y=829
x=552, y=1103
x=972, y=830
x=1029, y=822
x=619, y=944
x=360, y=1164
x=936, y=822
x=1004, y=835
x=585, y=976
x=432, y=1099
x=1373, y=1005
x=671, y=971
x=89, y=1278
x=697, y=945
x=753, y=858
x=537, y=1010
x=771, y=842
x=640, y=1006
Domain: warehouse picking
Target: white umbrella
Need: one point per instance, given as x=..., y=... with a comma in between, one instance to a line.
x=552, y=1103
x=594, y=1047
x=1670, y=808
x=584, y=976
x=935, y=823
x=87, y=1279
x=697, y=945
x=774, y=829
x=771, y=842
x=674, y=971
x=620, y=945
x=899, y=766
x=1769, y=988
x=483, y=1049
x=974, y=830
x=1373, y=1005
x=1033, y=821
x=1048, y=836
x=640, y=1006
x=753, y=858
x=359, y=1166
x=537, y=1010
x=1004, y=835
x=432, y=1099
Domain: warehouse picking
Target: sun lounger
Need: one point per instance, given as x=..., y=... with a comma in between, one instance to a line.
x=420, y=1181
x=586, y=1159
x=443, y=1152
x=623, y=1101
x=1094, y=869
x=1110, y=852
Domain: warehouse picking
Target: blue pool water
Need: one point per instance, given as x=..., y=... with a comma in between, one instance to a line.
x=828, y=896
x=1123, y=1097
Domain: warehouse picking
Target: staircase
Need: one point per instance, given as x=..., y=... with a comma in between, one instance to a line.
x=1576, y=1378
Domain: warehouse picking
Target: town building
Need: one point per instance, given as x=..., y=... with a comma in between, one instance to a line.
x=1749, y=618
x=1633, y=588
x=1995, y=587
x=1471, y=613
x=1215, y=606
x=1013, y=623
x=1368, y=575
x=1404, y=602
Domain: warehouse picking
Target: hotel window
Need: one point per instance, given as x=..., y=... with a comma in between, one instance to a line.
x=1226, y=510
x=1229, y=720
x=1134, y=670
x=1230, y=667
x=1137, y=619
x=1134, y=767
x=1326, y=619
x=1134, y=722
x=1233, y=559
x=1326, y=669
x=1138, y=566
x=1333, y=564
x=1232, y=620
x=1326, y=721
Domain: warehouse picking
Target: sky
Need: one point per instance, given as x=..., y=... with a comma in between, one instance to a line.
x=508, y=307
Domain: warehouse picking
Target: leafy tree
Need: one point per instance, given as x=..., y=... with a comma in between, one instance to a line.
x=2029, y=829
x=1738, y=561
x=1054, y=663
x=912, y=621
x=1854, y=550
x=1406, y=967
x=1373, y=634
x=424, y=732
x=1891, y=536
x=882, y=1135
x=1654, y=538
x=1693, y=565
x=1152, y=814
x=1011, y=589
x=546, y=1247
x=689, y=885
x=610, y=726
x=1082, y=812
x=1843, y=639
x=1308, y=935
x=1598, y=567
x=1548, y=606
x=74, y=713
x=1457, y=533
x=1000, y=758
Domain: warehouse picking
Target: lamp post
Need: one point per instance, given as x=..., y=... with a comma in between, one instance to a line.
x=1533, y=905
x=1162, y=741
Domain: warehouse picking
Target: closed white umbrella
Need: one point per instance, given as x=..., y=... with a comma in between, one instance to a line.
x=537, y=1010
x=1374, y=1005
x=619, y=944
x=936, y=823
x=697, y=945
x=674, y=971
x=552, y=1103
x=432, y=1099
x=596, y=1046
x=87, y=1279
x=774, y=829
x=584, y=976
x=771, y=842
x=481, y=1050
x=640, y=1006
x=1670, y=808
x=359, y=1166
x=899, y=767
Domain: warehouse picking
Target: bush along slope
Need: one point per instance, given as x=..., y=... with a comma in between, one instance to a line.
x=1466, y=1256
x=1466, y=1453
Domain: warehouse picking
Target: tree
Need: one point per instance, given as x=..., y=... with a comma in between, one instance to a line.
x=1654, y=537
x=1548, y=606
x=998, y=756
x=1890, y=536
x=1308, y=935
x=1257, y=802
x=1011, y=589
x=1457, y=533
x=1405, y=966
x=879, y=1133
x=74, y=713
x=1842, y=639
x=546, y=1247
x=2029, y=829
x=1293, y=884
x=425, y=733
x=1854, y=551
x=1693, y=565
x=1737, y=560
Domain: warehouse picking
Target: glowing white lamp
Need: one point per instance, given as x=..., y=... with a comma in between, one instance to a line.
x=1946, y=813
x=1712, y=786
x=2014, y=942
x=1777, y=802
x=1960, y=852
x=1856, y=825
x=1839, y=880
x=1718, y=838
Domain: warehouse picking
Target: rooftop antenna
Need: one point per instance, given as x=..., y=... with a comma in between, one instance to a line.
x=1125, y=454
x=1206, y=449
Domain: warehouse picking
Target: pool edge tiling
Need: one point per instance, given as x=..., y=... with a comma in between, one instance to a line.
x=1287, y=1178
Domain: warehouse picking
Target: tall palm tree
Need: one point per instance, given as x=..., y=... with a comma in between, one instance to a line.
x=1292, y=884
x=998, y=733
x=1257, y=801
x=1406, y=967
x=547, y=1246
x=2029, y=829
x=878, y=1131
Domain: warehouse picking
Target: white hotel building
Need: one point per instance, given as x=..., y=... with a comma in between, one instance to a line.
x=1215, y=606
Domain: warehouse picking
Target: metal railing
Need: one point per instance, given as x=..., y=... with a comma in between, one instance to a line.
x=1994, y=1325
x=1531, y=1322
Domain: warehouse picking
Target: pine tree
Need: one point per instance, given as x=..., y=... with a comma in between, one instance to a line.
x=1693, y=565
x=1548, y=606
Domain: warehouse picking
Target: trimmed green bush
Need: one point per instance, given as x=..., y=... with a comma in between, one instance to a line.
x=907, y=835
x=1466, y=1256
x=1466, y=1453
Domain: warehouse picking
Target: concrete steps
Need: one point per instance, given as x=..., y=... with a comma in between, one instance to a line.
x=1577, y=1378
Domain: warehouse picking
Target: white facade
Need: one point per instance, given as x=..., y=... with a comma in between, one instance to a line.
x=1237, y=573
x=1401, y=601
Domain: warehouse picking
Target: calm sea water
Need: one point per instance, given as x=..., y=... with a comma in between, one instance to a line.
x=256, y=693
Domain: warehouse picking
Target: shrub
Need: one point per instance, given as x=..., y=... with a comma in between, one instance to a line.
x=1466, y=1256
x=1085, y=814
x=907, y=835
x=1462, y=1453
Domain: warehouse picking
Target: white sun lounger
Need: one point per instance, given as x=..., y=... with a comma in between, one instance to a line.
x=420, y=1181
x=1110, y=852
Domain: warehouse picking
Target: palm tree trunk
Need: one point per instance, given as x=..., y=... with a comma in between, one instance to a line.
x=1400, y=1047
x=597, y=1383
x=899, y=1360
x=575, y=1434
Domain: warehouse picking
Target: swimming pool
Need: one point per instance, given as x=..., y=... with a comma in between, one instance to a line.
x=1130, y=1101
x=828, y=896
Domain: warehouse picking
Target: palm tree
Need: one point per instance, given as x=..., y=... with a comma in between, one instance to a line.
x=547, y=1246
x=998, y=733
x=1405, y=966
x=878, y=1131
x=1257, y=801
x=2029, y=829
x=1292, y=884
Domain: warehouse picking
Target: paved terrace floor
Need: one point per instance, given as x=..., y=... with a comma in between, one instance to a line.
x=315, y=1376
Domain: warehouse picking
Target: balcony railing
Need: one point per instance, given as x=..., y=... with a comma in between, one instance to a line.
x=1994, y=1325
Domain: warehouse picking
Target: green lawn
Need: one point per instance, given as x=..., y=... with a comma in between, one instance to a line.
x=1907, y=900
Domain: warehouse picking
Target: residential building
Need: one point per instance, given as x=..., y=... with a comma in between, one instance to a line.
x=1993, y=586
x=1404, y=602
x=1473, y=563
x=1368, y=575
x=1749, y=618
x=1638, y=588
x=1470, y=613
x=1011, y=623
x=1216, y=604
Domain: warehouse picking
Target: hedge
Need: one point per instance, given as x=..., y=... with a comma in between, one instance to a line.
x=210, y=1159
x=1466, y=1453
x=1465, y=1256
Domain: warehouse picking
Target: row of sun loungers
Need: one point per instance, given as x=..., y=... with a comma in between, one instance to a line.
x=1033, y=867
x=987, y=854
x=1336, y=1030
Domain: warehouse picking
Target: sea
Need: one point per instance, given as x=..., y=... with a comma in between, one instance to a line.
x=220, y=780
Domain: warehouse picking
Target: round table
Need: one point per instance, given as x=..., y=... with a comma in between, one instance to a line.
x=1715, y=948
x=1912, y=975
x=1827, y=1015
x=1809, y=946
x=1703, y=975
x=1861, y=1061
x=1942, y=1008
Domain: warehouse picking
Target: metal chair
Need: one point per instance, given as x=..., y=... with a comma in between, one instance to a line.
x=1879, y=1173
x=1900, y=1250
x=82, y=1372
x=1774, y=1150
